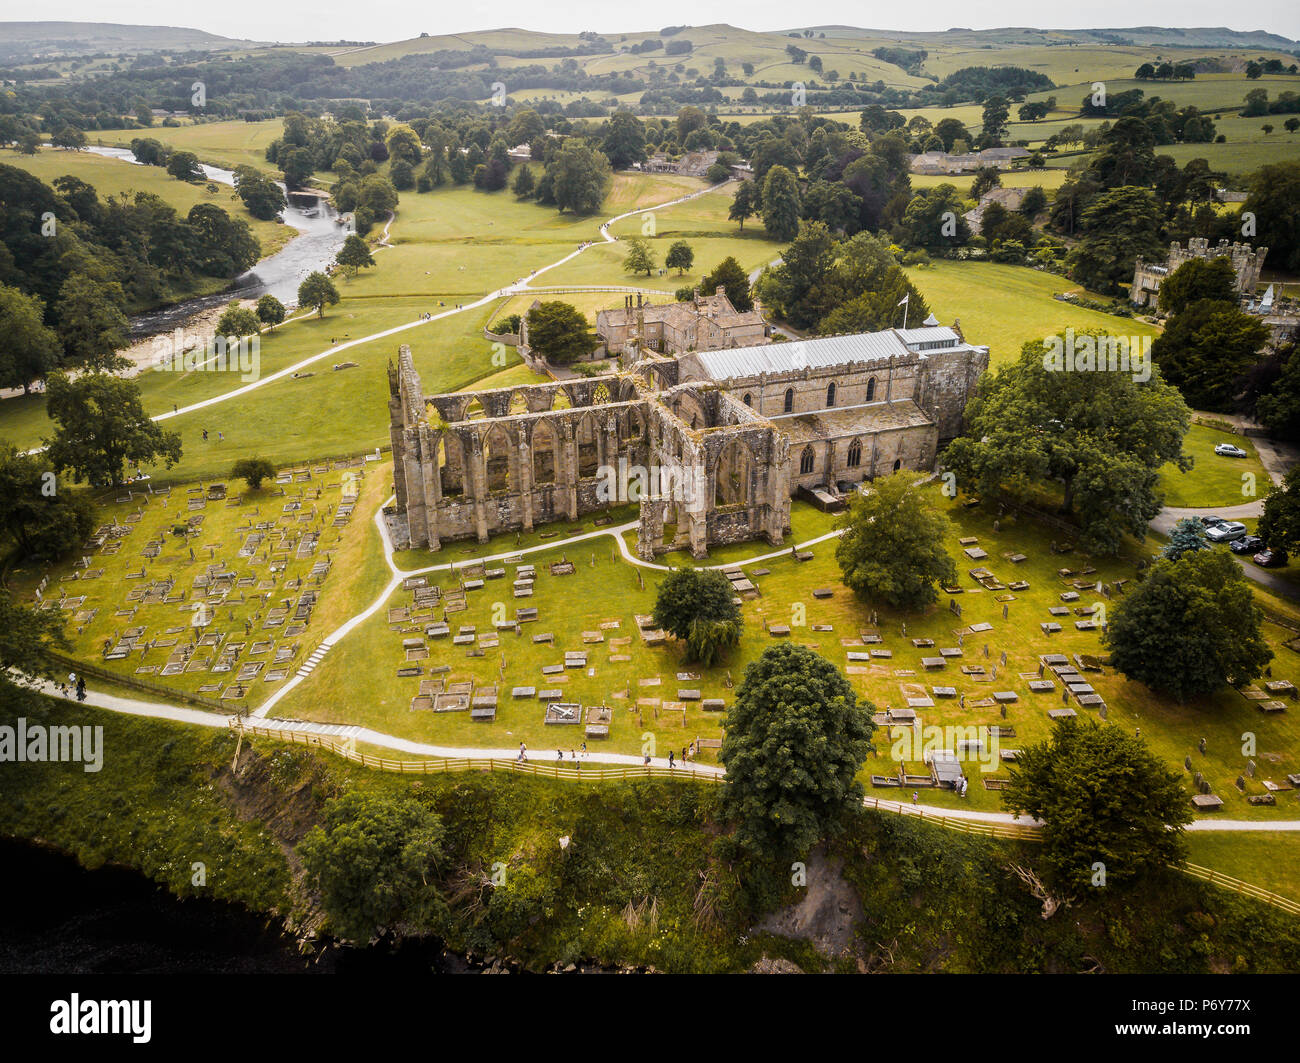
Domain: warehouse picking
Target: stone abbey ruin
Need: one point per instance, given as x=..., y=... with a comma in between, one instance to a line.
x=711, y=444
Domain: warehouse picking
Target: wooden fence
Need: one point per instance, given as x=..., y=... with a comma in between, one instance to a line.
x=612, y=772
x=131, y=682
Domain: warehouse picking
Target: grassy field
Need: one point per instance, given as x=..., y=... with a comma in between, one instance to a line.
x=593, y=609
x=224, y=144
x=1214, y=480
x=1270, y=860
x=1007, y=306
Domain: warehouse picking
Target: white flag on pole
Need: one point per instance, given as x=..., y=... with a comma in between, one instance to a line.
x=905, y=299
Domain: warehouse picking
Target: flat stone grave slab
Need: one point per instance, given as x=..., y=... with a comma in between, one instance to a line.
x=483, y=713
x=950, y=651
x=523, y=692
x=882, y=653
x=1280, y=686
x=944, y=692
x=1061, y=714
x=495, y=573
x=650, y=681
x=1090, y=701
x=975, y=553
x=901, y=715
x=688, y=695
x=1053, y=659
x=922, y=644
x=920, y=703
x=804, y=555
x=713, y=704
x=619, y=658
x=982, y=626
x=969, y=540
x=1004, y=696
x=824, y=592
x=1015, y=559
x=550, y=695
x=1207, y=802
x=1041, y=686
x=552, y=669
x=1018, y=585
x=934, y=662
x=1081, y=688
x=822, y=627
x=778, y=631
x=761, y=572
x=1050, y=629
x=1069, y=596
x=463, y=640
x=1087, y=625
x=859, y=655
x=575, y=660
x=546, y=637
x=870, y=638
x=402, y=673
x=1271, y=706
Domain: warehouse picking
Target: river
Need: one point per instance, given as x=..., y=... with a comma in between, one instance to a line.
x=320, y=235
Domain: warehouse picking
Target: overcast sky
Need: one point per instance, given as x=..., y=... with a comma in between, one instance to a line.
x=334, y=20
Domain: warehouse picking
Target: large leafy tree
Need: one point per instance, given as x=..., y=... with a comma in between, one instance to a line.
x=354, y=254
x=29, y=349
x=639, y=258
x=25, y=636
x=41, y=516
x=1103, y=798
x=934, y=220
x=745, y=203
x=729, y=275
x=1279, y=525
x=680, y=257
x=624, y=139
x=317, y=291
x=262, y=197
x=781, y=204
x=1274, y=202
x=1127, y=155
x=374, y=862
x=1197, y=279
x=1189, y=627
x=797, y=736
x=1206, y=350
x=559, y=332
x=698, y=607
x=1186, y=537
x=1118, y=226
x=893, y=547
x=91, y=323
x=100, y=425
x=1101, y=435
x=579, y=177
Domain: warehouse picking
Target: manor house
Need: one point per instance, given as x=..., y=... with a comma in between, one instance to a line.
x=727, y=436
x=704, y=322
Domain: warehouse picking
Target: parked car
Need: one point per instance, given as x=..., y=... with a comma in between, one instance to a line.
x=1270, y=558
x=1226, y=531
x=1247, y=544
x=1227, y=450
x=1210, y=522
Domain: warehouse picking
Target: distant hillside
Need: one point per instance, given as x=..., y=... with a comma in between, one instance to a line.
x=1142, y=36
x=52, y=39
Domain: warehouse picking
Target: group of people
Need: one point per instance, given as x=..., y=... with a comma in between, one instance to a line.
x=77, y=684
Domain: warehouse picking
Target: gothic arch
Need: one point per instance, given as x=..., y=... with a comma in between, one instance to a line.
x=807, y=461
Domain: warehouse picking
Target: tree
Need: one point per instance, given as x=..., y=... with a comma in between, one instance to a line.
x=43, y=518
x=270, y=310
x=253, y=471
x=1291, y=125
x=579, y=177
x=745, y=203
x=69, y=137
x=624, y=139
x=894, y=545
x=524, y=184
x=354, y=254
x=91, y=324
x=1274, y=201
x=403, y=144
x=30, y=349
x=317, y=291
x=100, y=426
x=1034, y=203
x=184, y=166
x=1102, y=797
x=986, y=178
x=25, y=637
x=1118, y=225
x=1101, y=434
x=1206, y=350
x=697, y=606
x=640, y=258
x=730, y=275
x=374, y=863
x=239, y=321
x=1189, y=627
x=934, y=219
x=1279, y=525
x=781, y=207
x=223, y=246
x=951, y=130
x=1187, y=537
x=262, y=197
x=680, y=257
x=995, y=115
x=796, y=738
x=559, y=332
x=1197, y=279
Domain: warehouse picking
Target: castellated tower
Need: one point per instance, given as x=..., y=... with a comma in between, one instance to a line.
x=1247, y=262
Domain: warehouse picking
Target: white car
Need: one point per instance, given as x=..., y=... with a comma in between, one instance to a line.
x=1225, y=532
x=1227, y=450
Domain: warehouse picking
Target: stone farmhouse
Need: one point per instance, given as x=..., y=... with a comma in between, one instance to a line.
x=1010, y=198
x=941, y=162
x=1246, y=261
x=706, y=322
x=711, y=445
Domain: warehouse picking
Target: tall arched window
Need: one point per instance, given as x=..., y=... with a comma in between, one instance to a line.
x=830, y=394
x=898, y=464
x=806, y=461
x=871, y=389
x=789, y=400
x=855, y=454
x=749, y=401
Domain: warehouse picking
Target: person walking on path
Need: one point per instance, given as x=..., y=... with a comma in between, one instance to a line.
x=670, y=759
x=81, y=688
x=915, y=794
x=523, y=752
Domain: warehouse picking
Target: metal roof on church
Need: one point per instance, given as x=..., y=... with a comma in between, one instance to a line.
x=819, y=353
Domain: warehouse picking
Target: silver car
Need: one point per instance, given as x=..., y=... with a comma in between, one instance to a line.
x=1225, y=532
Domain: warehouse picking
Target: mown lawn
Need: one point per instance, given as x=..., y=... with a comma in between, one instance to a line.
x=1214, y=480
